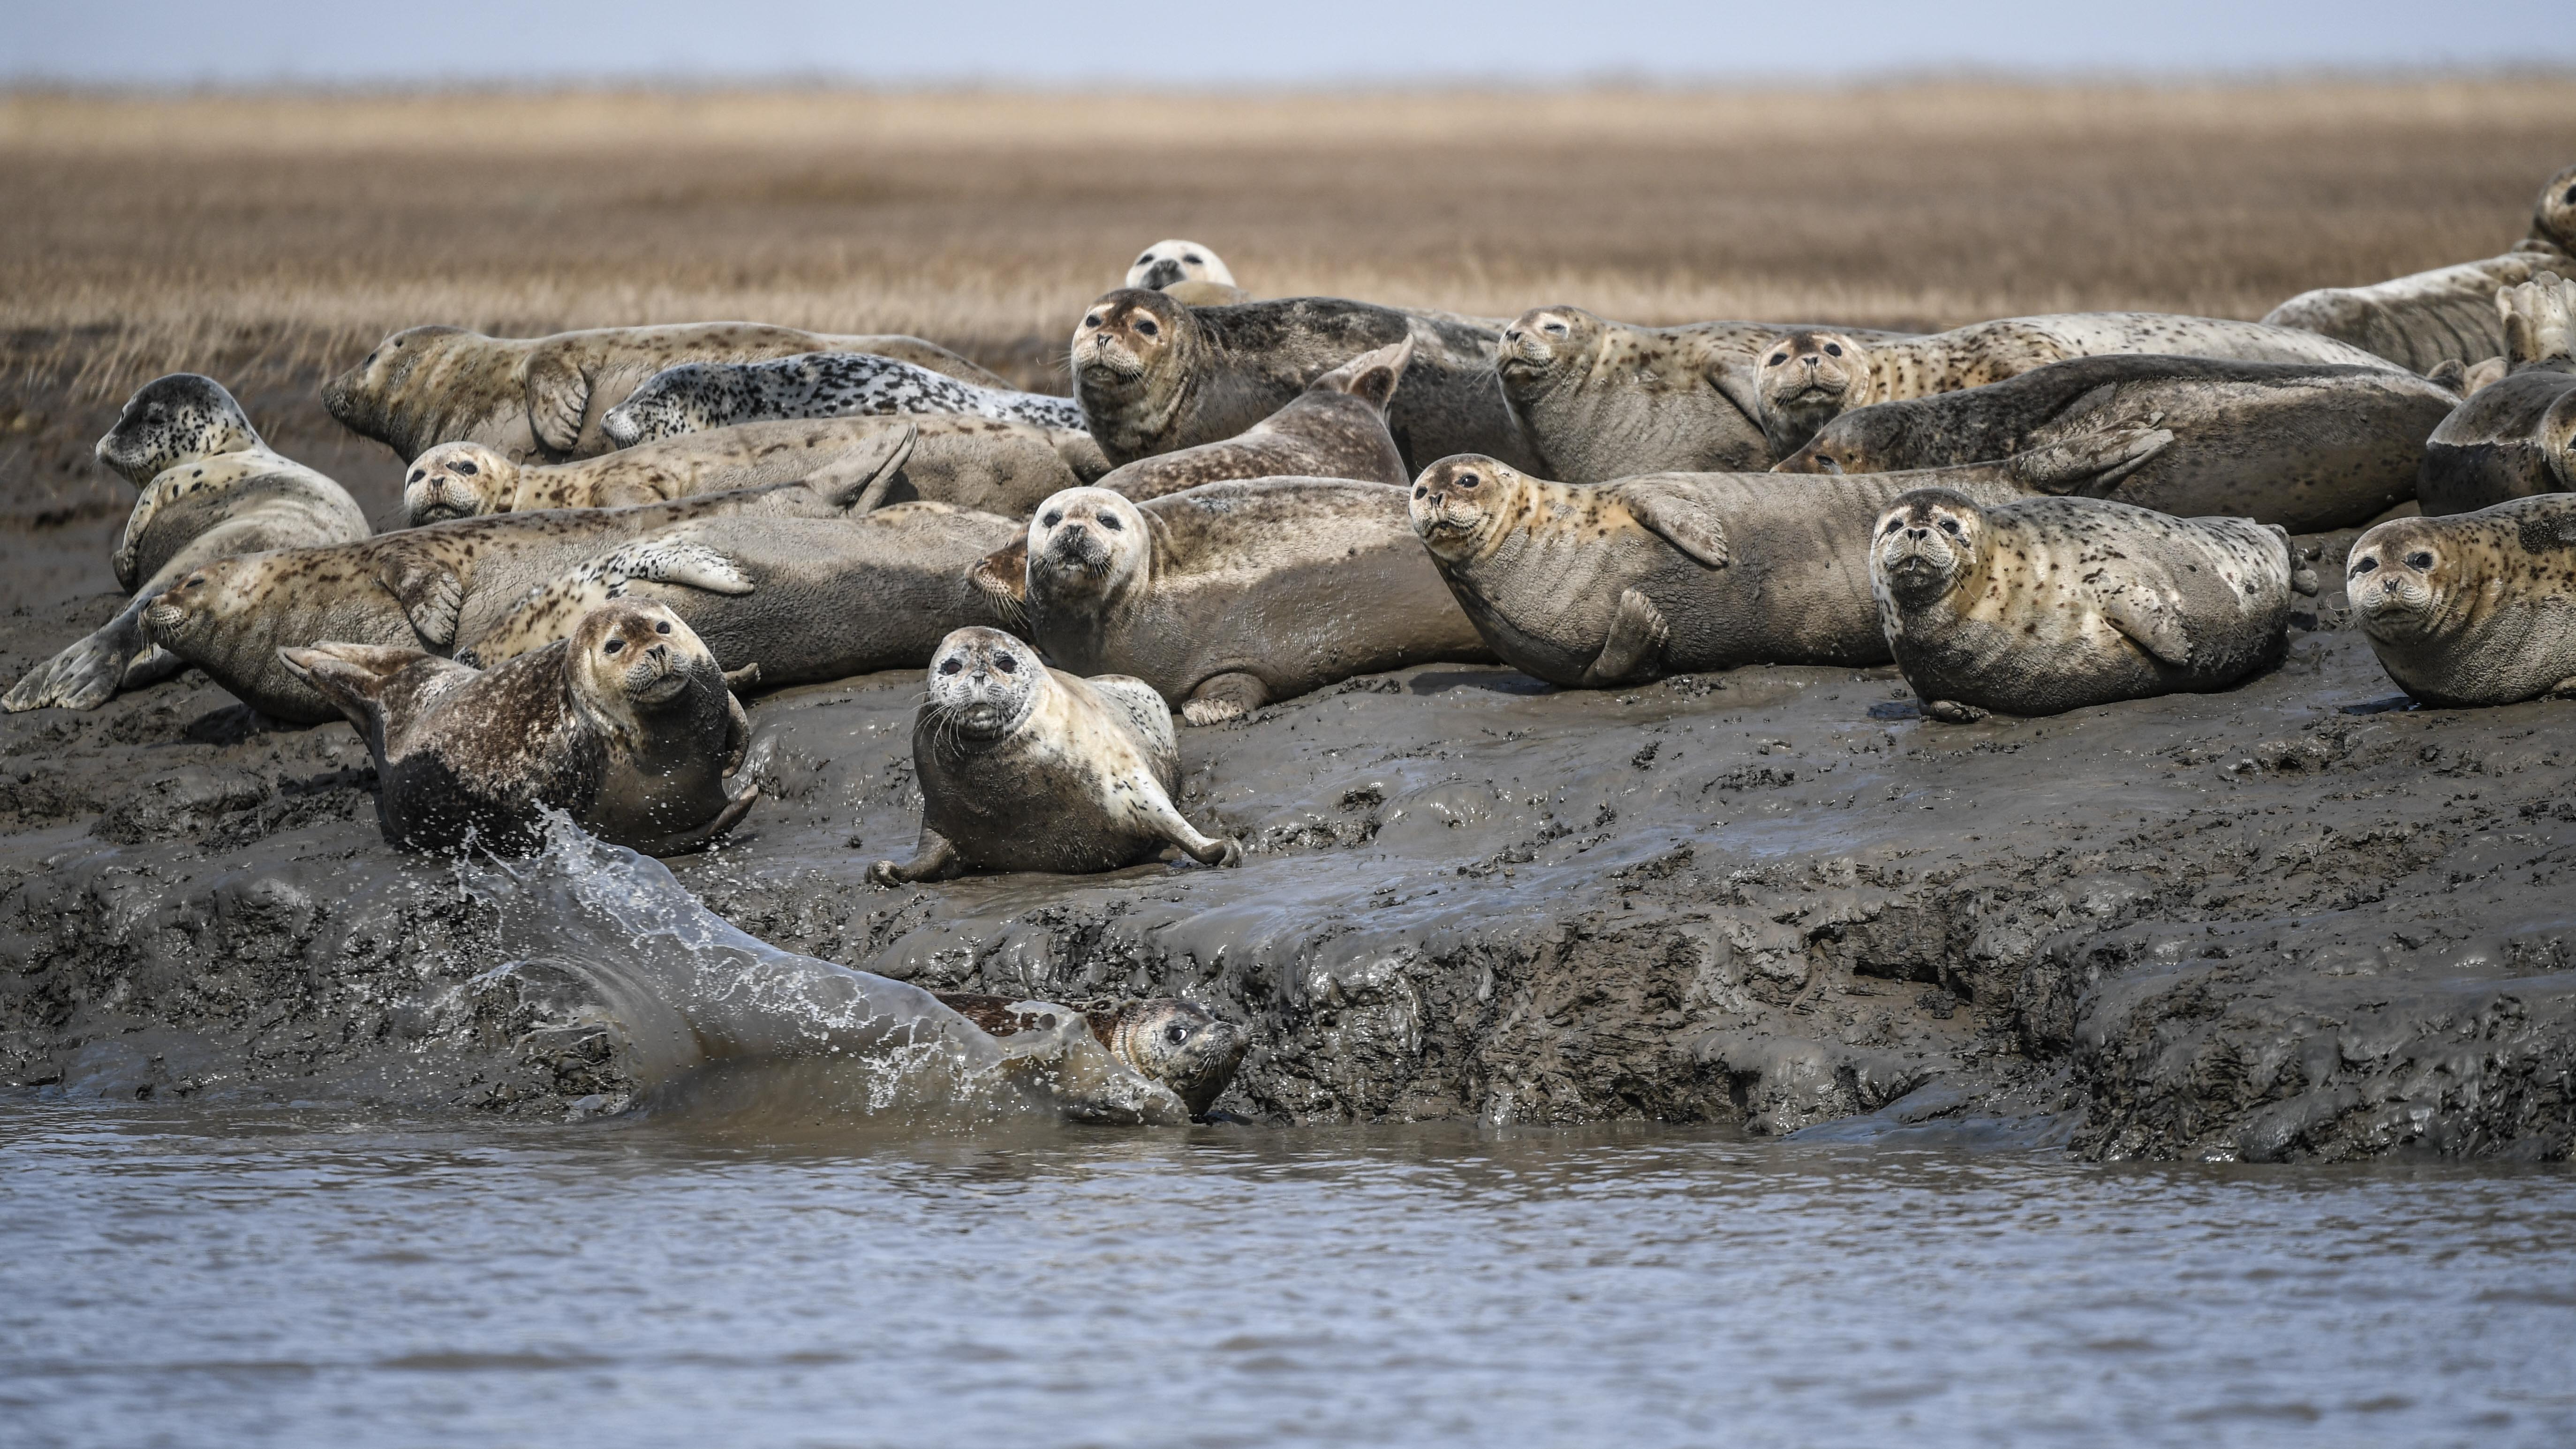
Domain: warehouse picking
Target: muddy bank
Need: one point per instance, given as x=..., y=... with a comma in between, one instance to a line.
x=2293, y=921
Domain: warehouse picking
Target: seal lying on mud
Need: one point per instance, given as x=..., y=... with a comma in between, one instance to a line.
x=1023, y=767
x=1602, y=400
x=973, y=462
x=628, y=727
x=2474, y=609
x=1598, y=584
x=2050, y=604
x=440, y=587
x=1232, y=595
x=1806, y=379
x=697, y=396
x=2309, y=446
x=210, y=489
x=1155, y=376
x=537, y=398
x=2516, y=437
x=2448, y=314
x=1336, y=428
x=1184, y=270
x=1162, y=1038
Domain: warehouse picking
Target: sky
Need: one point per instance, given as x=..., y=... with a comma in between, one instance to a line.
x=1181, y=46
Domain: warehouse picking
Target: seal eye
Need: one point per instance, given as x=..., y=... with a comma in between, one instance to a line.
x=1833, y=349
x=951, y=665
x=2570, y=197
x=1176, y=1034
x=1006, y=664
x=1147, y=257
x=2419, y=560
x=1556, y=327
x=662, y=628
x=615, y=646
x=1194, y=259
x=468, y=469
x=2366, y=565
x=1895, y=526
x=1052, y=519
x=1950, y=526
x=1778, y=357
x=1091, y=321
x=1147, y=327
x=1110, y=521
x=1468, y=480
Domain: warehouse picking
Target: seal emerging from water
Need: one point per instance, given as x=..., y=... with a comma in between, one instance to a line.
x=2050, y=604
x=2517, y=436
x=2474, y=609
x=700, y=395
x=1023, y=767
x=628, y=727
x=1336, y=428
x=1163, y=1039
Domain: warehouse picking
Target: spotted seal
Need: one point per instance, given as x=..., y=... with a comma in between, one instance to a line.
x=2446, y=315
x=1336, y=428
x=2309, y=446
x=210, y=488
x=1805, y=379
x=628, y=726
x=2517, y=436
x=1156, y=376
x=1592, y=585
x=1026, y=768
x=541, y=399
x=1163, y=1039
x=699, y=395
x=2475, y=608
x=2044, y=605
x=1185, y=270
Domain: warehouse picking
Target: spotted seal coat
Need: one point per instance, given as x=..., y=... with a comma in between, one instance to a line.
x=210, y=488
x=2044, y=605
x=1163, y=1039
x=700, y=395
x=627, y=726
x=1026, y=768
x=2517, y=436
x=2445, y=315
x=2309, y=446
x=1336, y=428
x=544, y=399
x=2475, y=608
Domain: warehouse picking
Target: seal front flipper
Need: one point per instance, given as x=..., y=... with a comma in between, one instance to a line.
x=856, y=482
x=686, y=841
x=737, y=722
x=2090, y=460
x=1637, y=635
x=2143, y=618
x=558, y=395
x=1950, y=711
x=431, y=592
x=933, y=859
x=1674, y=513
x=1222, y=697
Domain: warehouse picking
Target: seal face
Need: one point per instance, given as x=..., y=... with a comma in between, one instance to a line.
x=1807, y=379
x=2511, y=439
x=1165, y=1039
x=627, y=726
x=457, y=480
x=1027, y=768
x=172, y=420
x=700, y=395
x=1173, y=260
x=2475, y=608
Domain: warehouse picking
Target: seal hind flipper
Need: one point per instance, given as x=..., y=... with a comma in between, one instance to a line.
x=2095, y=460
x=1670, y=512
x=558, y=394
x=353, y=677
x=1636, y=641
x=857, y=481
x=431, y=592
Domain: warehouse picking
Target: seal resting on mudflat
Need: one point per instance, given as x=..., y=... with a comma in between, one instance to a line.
x=1163, y=1039
x=696, y=396
x=2309, y=446
x=2476, y=608
x=210, y=489
x=1023, y=767
x=2044, y=605
x=628, y=727
x=1336, y=428
x=2517, y=436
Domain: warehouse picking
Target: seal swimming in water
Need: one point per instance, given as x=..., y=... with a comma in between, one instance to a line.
x=1232, y=595
x=2044, y=605
x=1336, y=428
x=210, y=488
x=628, y=726
x=1185, y=270
x=2447, y=314
x=2476, y=608
x=2517, y=436
x=1026, y=768
x=542, y=399
x=1156, y=376
x=699, y=395
x=2309, y=446
x=1187, y=1048
x=1591, y=585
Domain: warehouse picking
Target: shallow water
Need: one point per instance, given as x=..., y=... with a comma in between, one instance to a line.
x=280, y=1277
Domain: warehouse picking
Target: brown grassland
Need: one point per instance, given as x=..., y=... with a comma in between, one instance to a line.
x=269, y=239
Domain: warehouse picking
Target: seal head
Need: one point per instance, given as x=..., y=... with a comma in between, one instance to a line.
x=2553, y=216
x=1461, y=506
x=1180, y=1045
x=1927, y=543
x=688, y=398
x=2396, y=581
x=1806, y=380
x=456, y=480
x=1542, y=340
x=173, y=420
x=1166, y=262
x=363, y=397
x=983, y=685
x=1086, y=546
x=1131, y=360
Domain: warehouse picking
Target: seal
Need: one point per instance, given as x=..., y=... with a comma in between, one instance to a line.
x=210, y=488
x=542, y=399
x=2517, y=436
x=1163, y=1039
x=1336, y=428
x=1591, y=585
x=1023, y=767
x=2309, y=446
x=2446, y=315
x=1808, y=378
x=1155, y=376
x=1233, y=595
x=699, y=395
x=628, y=727
x=440, y=587
x=2044, y=605
x=981, y=463
x=1186, y=270
x=2473, y=609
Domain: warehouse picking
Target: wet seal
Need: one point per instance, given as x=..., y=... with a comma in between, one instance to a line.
x=2474, y=608
x=1164, y=1039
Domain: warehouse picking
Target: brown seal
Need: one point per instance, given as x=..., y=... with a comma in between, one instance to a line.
x=1336, y=428
x=2476, y=608
x=1163, y=1039
x=628, y=727
x=2517, y=436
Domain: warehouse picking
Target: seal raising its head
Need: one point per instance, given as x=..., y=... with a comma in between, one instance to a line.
x=457, y=480
x=1806, y=380
x=1162, y=1038
x=2476, y=608
x=1166, y=262
x=173, y=420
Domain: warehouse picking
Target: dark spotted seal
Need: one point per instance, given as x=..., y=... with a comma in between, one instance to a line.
x=700, y=395
x=2476, y=608
x=2517, y=436
x=1161, y=1038
x=1336, y=428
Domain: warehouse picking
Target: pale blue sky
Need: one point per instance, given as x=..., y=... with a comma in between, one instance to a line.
x=159, y=42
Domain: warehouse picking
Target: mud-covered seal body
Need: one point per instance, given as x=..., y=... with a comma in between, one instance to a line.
x=1163, y=1039
x=1026, y=768
x=2474, y=608
x=1336, y=428
x=2044, y=605
x=695, y=396
x=2309, y=446
x=627, y=726
x=2515, y=437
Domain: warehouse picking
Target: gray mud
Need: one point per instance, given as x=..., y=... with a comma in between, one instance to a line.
x=2297, y=920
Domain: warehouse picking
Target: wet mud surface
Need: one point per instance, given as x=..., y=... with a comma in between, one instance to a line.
x=2298, y=920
